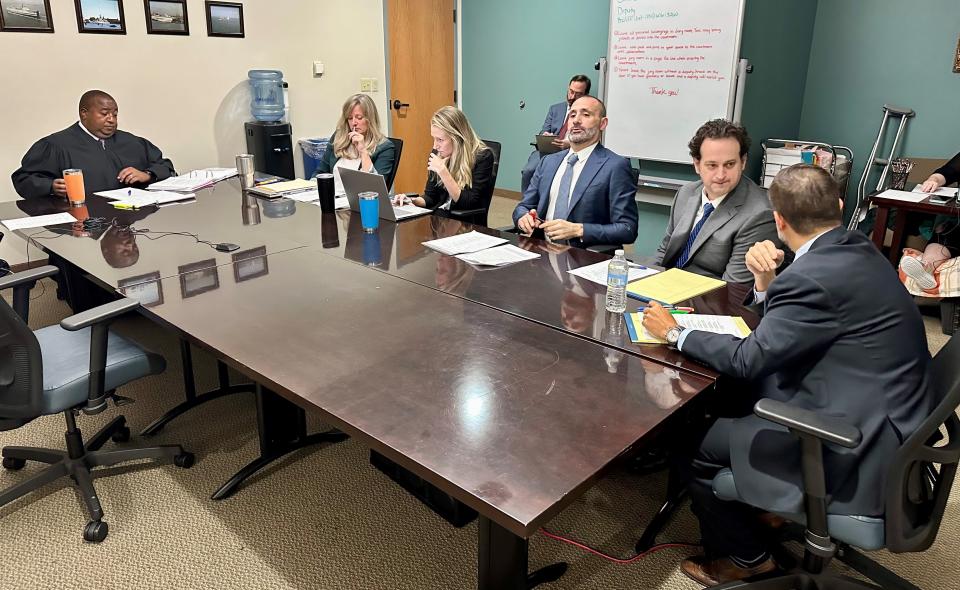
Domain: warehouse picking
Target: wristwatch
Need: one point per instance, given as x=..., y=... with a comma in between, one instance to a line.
x=673, y=335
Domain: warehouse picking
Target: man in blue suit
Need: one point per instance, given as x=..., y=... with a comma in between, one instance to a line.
x=554, y=125
x=585, y=195
x=838, y=336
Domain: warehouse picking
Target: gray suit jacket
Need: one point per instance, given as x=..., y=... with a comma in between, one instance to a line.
x=743, y=218
x=841, y=337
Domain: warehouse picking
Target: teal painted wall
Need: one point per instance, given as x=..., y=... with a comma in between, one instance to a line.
x=527, y=50
x=895, y=52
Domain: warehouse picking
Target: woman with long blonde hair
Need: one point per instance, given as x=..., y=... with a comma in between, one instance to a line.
x=460, y=165
x=358, y=143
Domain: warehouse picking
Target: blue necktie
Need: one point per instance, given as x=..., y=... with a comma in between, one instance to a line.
x=562, y=207
x=685, y=254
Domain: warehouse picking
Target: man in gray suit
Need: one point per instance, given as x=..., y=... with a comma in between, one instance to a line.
x=838, y=336
x=715, y=220
x=555, y=124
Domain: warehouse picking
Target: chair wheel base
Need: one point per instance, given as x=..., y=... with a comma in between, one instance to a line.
x=13, y=464
x=185, y=460
x=122, y=435
x=95, y=531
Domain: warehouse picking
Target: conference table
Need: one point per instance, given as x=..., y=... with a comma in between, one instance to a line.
x=510, y=389
x=886, y=204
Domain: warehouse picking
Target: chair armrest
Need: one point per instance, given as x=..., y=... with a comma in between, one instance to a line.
x=27, y=276
x=605, y=248
x=21, y=283
x=803, y=421
x=466, y=212
x=99, y=314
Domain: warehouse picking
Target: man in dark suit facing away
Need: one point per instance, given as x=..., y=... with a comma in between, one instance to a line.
x=839, y=336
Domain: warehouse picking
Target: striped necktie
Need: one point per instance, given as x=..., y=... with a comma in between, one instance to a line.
x=685, y=254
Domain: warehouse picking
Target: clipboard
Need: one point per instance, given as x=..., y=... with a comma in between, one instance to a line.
x=545, y=145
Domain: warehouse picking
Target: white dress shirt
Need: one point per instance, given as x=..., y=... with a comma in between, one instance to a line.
x=703, y=201
x=87, y=131
x=582, y=156
x=760, y=296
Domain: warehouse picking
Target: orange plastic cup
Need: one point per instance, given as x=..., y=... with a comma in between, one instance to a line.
x=75, y=191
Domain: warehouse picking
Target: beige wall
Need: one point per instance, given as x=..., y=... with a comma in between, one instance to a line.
x=189, y=94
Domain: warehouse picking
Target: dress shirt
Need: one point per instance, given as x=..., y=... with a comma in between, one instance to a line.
x=582, y=156
x=87, y=131
x=703, y=201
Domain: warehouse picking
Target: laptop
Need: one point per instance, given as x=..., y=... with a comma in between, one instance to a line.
x=356, y=182
x=545, y=145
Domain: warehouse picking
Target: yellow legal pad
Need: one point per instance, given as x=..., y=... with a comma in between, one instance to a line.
x=672, y=286
x=718, y=324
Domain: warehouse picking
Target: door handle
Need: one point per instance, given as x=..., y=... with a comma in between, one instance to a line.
x=397, y=105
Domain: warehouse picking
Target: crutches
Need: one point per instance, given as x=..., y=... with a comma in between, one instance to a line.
x=873, y=162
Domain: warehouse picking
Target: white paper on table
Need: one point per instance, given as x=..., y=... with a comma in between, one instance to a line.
x=473, y=241
x=942, y=191
x=194, y=180
x=717, y=324
x=338, y=203
x=499, y=256
x=305, y=196
x=903, y=196
x=38, y=221
x=139, y=198
x=410, y=210
x=598, y=272
x=123, y=193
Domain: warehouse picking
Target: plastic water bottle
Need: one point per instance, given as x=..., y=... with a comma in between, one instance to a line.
x=266, y=94
x=617, y=283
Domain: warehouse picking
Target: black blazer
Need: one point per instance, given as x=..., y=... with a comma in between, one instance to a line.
x=839, y=336
x=476, y=196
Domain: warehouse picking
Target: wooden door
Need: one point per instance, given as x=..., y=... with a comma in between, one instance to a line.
x=420, y=53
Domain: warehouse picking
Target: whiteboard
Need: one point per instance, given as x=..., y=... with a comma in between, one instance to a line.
x=671, y=66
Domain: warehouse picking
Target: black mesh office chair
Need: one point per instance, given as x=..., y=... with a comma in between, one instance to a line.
x=478, y=216
x=398, y=149
x=72, y=367
x=918, y=484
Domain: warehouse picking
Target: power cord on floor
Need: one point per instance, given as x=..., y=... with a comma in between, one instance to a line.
x=617, y=560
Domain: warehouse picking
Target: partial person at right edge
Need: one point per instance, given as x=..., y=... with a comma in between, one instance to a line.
x=584, y=196
x=358, y=143
x=924, y=267
x=715, y=220
x=556, y=124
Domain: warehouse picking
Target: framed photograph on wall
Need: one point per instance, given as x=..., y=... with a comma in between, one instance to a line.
x=198, y=277
x=224, y=19
x=166, y=17
x=25, y=16
x=956, y=58
x=100, y=16
x=250, y=264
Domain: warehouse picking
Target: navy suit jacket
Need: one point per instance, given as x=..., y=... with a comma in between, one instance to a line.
x=839, y=336
x=555, y=117
x=603, y=199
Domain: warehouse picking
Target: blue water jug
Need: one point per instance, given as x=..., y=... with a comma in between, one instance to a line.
x=266, y=89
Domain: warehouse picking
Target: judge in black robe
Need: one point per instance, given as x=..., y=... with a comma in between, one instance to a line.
x=109, y=158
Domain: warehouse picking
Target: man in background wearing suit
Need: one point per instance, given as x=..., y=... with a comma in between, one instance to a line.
x=585, y=195
x=715, y=220
x=838, y=336
x=554, y=124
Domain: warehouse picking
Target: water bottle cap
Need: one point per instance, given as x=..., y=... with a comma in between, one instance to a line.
x=618, y=252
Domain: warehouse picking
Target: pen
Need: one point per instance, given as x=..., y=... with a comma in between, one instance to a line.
x=635, y=265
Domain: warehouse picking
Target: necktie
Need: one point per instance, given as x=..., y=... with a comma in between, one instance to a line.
x=685, y=254
x=562, y=207
x=563, y=129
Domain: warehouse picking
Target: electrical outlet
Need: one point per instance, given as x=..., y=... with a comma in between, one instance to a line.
x=374, y=85
x=365, y=85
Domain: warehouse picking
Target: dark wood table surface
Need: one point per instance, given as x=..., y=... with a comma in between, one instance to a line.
x=884, y=205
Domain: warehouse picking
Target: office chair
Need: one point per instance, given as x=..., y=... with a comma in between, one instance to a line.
x=478, y=216
x=920, y=475
x=72, y=367
x=398, y=149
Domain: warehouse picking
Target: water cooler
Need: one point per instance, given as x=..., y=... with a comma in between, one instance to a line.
x=269, y=139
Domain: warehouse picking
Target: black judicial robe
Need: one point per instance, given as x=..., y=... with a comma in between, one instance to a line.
x=75, y=148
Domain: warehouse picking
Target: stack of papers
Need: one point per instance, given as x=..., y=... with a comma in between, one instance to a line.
x=672, y=286
x=914, y=197
x=464, y=243
x=718, y=324
x=942, y=191
x=137, y=198
x=194, y=180
x=38, y=221
x=285, y=189
x=598, y=272
x=499, y=256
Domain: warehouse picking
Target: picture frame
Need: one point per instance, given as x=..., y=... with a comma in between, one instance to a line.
x=103, y=17
x=198, y=277
x=956, y=58
x=224, y=19
x=250, y=264
x=166, y=17
x=146, y=288
x=26, y=16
